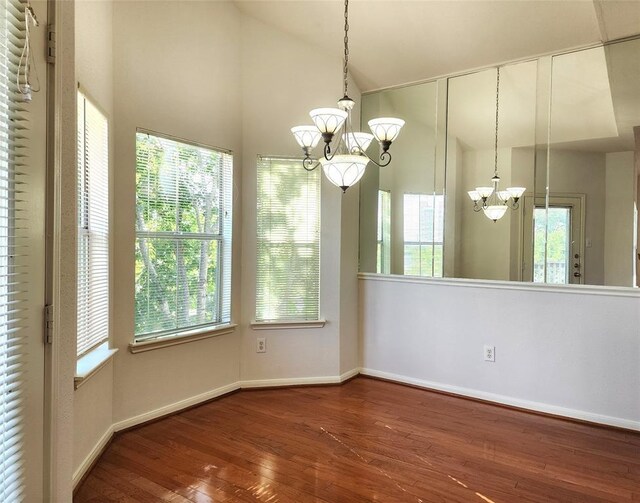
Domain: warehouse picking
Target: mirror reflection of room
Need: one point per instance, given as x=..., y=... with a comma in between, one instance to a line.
x=406, y=233
x=595, y=106
x=567, y=135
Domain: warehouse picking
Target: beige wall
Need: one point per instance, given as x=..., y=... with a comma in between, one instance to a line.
x=219, y=81
x=619, y=219
x=575, y=172
x=93, y=404
x=219, y=94
x=485, y=249
x=177, y=72
x=277, y=94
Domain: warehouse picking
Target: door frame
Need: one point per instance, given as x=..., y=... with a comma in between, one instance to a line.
x=60, y=288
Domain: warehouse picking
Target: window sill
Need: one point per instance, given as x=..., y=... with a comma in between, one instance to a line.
x=278, y=325
x=91, y=363
x=181, y=338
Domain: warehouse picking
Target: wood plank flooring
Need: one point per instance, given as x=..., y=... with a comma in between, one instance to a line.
x=364, y=441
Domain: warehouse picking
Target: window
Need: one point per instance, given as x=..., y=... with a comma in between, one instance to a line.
x=423, y=234
x=93, y=226
x=183, y=236
x=14, y=119
x=384, y=232
x=288, y=241
x=554, y=241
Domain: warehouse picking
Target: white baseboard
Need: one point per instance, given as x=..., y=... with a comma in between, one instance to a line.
x=93, y=455
x=299, y=381
x=174, y=407
x=507, y=400
x=349, y=374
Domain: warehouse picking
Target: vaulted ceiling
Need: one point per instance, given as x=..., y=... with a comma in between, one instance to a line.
x=394, y=42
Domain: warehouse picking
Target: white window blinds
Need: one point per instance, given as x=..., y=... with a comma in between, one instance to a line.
x=183, y=236
x=13, y=152
x=423, y=234
x=288, y=241
x=93, y=226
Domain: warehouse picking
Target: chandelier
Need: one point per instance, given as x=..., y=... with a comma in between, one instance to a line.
x=344, y=164
x=491, y=200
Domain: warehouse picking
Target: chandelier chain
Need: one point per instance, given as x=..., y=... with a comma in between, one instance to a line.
x=346, y=45
x=495, y=170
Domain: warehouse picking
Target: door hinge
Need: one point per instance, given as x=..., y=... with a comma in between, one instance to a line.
x=51, y=44
x=48, y=324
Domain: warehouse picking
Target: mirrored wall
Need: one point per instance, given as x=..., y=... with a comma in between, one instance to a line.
x=567, y=129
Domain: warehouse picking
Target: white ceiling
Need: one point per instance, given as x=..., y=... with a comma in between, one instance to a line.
x=394, y=42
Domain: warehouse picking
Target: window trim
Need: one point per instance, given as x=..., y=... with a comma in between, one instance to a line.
x=91, y=362
x=155, y=340
x=181, y=337
x=290, y=324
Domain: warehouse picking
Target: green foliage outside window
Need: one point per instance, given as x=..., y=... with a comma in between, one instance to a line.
x=178, y=235
x=557, y=240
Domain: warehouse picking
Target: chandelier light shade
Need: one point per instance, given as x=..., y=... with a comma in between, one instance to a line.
x=495, y=212
x=386, y=129
x=516, y=192
x=484, y=192
x=306, y=136
x=358, y=142
x=344, y=164
x=491, y=200
x=344, y=170
x=328, y=120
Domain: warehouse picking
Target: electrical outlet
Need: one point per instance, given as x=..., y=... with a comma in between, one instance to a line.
x=489, y=353
x=261, y=346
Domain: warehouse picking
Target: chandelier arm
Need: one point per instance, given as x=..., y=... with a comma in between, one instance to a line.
x=383, y=156
x=328, y=154
x=309, y=164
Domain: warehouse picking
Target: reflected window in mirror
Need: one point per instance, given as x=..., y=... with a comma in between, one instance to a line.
x=423, y=234
x=384, y=233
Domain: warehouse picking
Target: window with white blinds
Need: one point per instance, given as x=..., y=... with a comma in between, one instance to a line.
x=183, y=236
x=288, y=241
x=93, y=226
x=13, y=152
x=423, y=234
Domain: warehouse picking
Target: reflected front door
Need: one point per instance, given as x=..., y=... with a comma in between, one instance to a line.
x=553, y=242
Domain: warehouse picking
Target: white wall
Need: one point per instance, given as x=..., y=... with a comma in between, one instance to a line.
x=93, y=404
x=177, y=71
x=561, y=350
x=282, y=79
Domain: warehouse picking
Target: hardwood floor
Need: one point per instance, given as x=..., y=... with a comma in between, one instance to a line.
x=364, y=441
